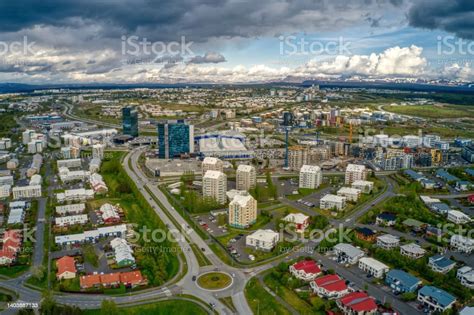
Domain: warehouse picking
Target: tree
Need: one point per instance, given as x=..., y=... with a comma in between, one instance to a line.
x=48, y=304
x=108, y=307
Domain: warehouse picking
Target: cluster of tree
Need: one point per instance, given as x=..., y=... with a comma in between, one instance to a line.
x=195, y=203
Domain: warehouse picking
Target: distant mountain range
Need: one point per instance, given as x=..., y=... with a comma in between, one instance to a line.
x=427, y=87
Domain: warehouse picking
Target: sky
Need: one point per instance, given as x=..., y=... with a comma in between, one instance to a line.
x=235, y=41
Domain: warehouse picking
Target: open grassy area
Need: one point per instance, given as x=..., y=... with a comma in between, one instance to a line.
x=214, y=280
x=158, y=308
x=433, y=111
x=262, y=302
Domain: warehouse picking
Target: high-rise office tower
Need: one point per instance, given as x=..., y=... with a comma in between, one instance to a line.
x=130, y=121
x=175, y=137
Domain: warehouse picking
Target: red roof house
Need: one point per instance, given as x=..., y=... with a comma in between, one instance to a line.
x=66, y=268
x=132, y=278
x=359, y=303
x=470, y=198
x=305, y=270
x=330, y=286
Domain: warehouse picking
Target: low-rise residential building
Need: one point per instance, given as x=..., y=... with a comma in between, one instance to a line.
x=5, y=191
x=68, y=176
x=435, y=299
x=364, y=186
x=466, y=276
x=330, y=201
x=69, y=163
x=365, y=234
x=300, y=220
x=94, y=165
x=16, y=215
x=386, y=219
x=129, y=279
x=98, y=184
x=79, y=194
x=242, y=211
x=357, y=303
x=123, y=252
x=401, y=281
x=91, y=235
x=439, y=263
x=71, y=209
x=347, y=253
x=71, y=220
x=462, y=243
x=21, y=192
x=310, y=177
x=13, y=164
x=6, y=180
x=373, y=267
x=305, y=270
x=109, y=213
x=66, y=267
x=412, y=250
x=264, y=240
x=330, y=286
x=351, y=194
x=458, y=217
x=11, y=245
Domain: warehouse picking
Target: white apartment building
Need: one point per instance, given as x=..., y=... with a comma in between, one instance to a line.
x=388, y=241
x=310, y=176
x=6, y=180
x=35, y=146
x=351, y=194
x=97, y=183
x=458, y=217
x=330, y=201
x=412, y=250
x=71, y=220
x=246, y=177
x=94, y=165
x=16, y=215
x=373, y=267
x=67, y=176
x=242, y=211
x=5, y=191
x=5, y=143
x=214, y=185
x=27, y=136
x=348, y=253
x=264, y=240
x=70, y=163
x=462, y=243
x=92, y=235
x=76, y=208
x=212, y=164
x=20, y=192
x=355, y=172
x=466, y=276
x=35, y=180
x=365, y=186
x=79, y=194
x=98, y=151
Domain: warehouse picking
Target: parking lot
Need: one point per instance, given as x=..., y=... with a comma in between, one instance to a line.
x=209, y=223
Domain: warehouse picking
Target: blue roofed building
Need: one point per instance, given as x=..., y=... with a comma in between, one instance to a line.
x=440, y=207
x=444, y=175
x=386, y=219
x=427, y=183
x=469, y=171
x=413, y=175
x=401, y=281
x=439, y=263
x=463, y=185
x=435, y=299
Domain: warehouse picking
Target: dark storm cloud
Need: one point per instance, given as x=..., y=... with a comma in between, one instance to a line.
x=454, y=16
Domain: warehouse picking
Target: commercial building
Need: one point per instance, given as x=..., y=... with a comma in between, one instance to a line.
x=400, y=281
x=329, y=286
x=300, y=221
x=412, y=250
x=20, y=192
x=354, y=173
x=130, y=121
x=330, y=201
x=242, y=211
x=462, y=243
x=351, y=194
x=373, y=267
x=310, y=177
x=175, y=138
x=264, y=240
x=212, y=164
x=305, y=270
x=227, y=144
x=439, y=263
x=214, y=185
x=346, y=253
x=246, y=177
x=364, y=186
x=436, y=300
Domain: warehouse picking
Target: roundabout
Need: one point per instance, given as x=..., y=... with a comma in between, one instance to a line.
x=214, y=281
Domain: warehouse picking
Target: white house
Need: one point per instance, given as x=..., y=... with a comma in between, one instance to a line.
x=305, y=270
x=264, y=240
x=373, y=267
x=458, y=217
x=300, y=220
x=347, y=253
x=71, y=220
x=71, y=209
x=412, y=250
x=466, y=276
x=462, y=243
x=330, y=201
x=363, y=185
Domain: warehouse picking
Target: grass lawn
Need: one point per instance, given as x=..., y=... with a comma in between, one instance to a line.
x=159, y=308
x=201, y=258
x=90, y=255
x=433, y=111
x=262, y=302
x=214, y=280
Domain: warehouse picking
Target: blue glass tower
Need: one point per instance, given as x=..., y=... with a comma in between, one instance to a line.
x=175, y=138
x=130, y=121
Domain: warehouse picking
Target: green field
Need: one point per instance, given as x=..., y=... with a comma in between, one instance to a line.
x=181, y=307
x=260, y=301
x=433, y=111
